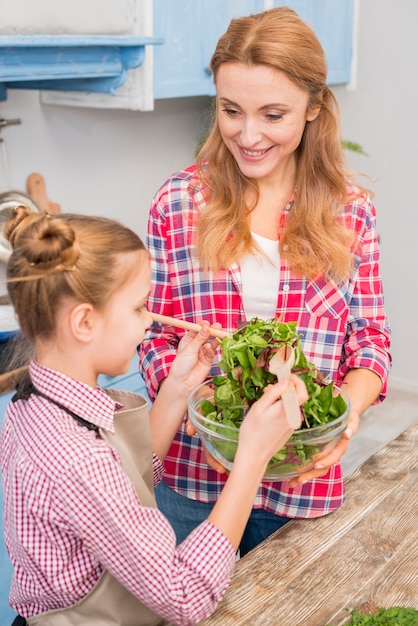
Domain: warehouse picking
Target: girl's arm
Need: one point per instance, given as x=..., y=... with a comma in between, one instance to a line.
x=189, y=369
x=264, y=431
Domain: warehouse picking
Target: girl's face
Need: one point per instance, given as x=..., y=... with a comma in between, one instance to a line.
x=261, y=117
x=125, y=319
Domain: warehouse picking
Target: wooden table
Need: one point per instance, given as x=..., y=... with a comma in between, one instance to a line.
x=315, y=572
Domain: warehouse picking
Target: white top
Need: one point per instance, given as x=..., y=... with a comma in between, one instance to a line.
x=260, y=279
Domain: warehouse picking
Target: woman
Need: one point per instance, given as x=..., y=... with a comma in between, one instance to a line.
x=268, y=223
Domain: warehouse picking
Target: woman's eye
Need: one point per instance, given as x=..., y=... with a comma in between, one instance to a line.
x=231, y=112
x=274, y=117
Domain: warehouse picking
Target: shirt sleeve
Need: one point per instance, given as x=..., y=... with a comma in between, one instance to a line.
x=159, y=346
x=137, y=545
x=157, y=469
x=368, y=331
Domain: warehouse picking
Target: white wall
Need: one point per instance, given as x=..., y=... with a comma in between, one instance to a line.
x=112, y=162
x=98, y=161
x=380, y=113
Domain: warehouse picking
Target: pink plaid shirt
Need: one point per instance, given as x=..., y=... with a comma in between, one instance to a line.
x=342, y=327
x=70, y=511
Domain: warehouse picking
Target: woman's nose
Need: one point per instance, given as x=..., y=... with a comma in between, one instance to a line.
x=250, y=133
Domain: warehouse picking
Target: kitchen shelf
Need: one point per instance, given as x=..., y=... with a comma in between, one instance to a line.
x=95, y=63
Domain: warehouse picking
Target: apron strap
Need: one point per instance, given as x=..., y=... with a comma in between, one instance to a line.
x=25, y=388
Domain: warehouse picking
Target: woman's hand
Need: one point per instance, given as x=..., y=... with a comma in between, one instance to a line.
x=324, y=460
x=194, y=358
x=210, y=460
x=363, y=388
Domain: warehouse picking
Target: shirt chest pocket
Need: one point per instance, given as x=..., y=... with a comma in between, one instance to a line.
x=323, y=324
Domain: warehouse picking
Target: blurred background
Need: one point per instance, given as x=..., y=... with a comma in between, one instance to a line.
x=107, y=153
x=110, y=161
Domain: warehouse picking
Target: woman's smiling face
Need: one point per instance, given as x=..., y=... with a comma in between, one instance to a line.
x=262, y=116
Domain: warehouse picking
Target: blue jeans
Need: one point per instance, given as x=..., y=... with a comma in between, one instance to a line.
x=185, y=514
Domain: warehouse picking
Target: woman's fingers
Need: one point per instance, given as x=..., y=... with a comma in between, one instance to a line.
x=210, y=460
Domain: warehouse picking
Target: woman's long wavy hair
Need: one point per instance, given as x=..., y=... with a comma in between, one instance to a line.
x=315, y=243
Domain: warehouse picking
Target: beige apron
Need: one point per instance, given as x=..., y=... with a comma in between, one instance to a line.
x=109, y=603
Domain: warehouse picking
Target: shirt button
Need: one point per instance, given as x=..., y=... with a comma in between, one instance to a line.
x=286, y=287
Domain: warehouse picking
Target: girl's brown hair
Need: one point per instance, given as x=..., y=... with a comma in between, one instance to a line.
x=62, y=256
x=314, y=242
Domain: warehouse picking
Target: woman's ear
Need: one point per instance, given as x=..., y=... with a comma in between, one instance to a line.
x=82, y=322
x=312, y=114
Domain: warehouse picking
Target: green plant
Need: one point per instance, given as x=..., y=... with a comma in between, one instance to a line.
x=353, y=146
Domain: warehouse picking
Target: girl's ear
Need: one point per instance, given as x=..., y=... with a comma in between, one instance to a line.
x=82, y=319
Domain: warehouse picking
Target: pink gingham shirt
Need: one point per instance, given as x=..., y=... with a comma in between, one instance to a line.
x=70, y=511
x=342, y=327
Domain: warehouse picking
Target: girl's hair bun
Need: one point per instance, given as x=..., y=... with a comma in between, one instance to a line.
x=64, y=256
x=47, y=243
x=19, y=215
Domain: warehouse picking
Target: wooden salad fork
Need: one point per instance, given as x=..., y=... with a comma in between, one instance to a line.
x=281, y=365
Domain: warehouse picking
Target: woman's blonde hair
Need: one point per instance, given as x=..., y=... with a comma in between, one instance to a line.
x=314, y=242
x=62, y=256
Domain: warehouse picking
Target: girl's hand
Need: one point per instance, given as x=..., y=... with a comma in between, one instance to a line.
x=191, y=366
x=194, y=358
x=265, y=428
x=263, y=420
x=323, y=461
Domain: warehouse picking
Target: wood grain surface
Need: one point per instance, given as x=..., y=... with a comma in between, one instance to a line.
x=315, y=572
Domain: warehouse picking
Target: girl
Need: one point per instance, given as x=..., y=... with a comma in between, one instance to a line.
x=87, y=543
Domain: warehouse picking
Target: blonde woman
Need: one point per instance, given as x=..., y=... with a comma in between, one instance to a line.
x=268, y=223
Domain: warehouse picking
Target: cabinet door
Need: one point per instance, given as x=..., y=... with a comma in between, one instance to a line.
x=332, y=21
x=191, y=29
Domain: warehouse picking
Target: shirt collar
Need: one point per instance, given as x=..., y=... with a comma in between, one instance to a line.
x=92, y=404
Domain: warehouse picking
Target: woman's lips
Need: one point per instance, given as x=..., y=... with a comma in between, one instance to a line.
x=253, y=155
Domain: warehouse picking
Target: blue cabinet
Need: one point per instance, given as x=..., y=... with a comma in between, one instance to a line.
x=179, y=38
x=333, y=22
x=191, y=29
x=68, y=62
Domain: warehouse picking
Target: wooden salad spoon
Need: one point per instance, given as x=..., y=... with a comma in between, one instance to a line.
x=174, y=321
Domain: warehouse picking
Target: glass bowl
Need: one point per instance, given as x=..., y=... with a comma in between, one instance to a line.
x=293, y=459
